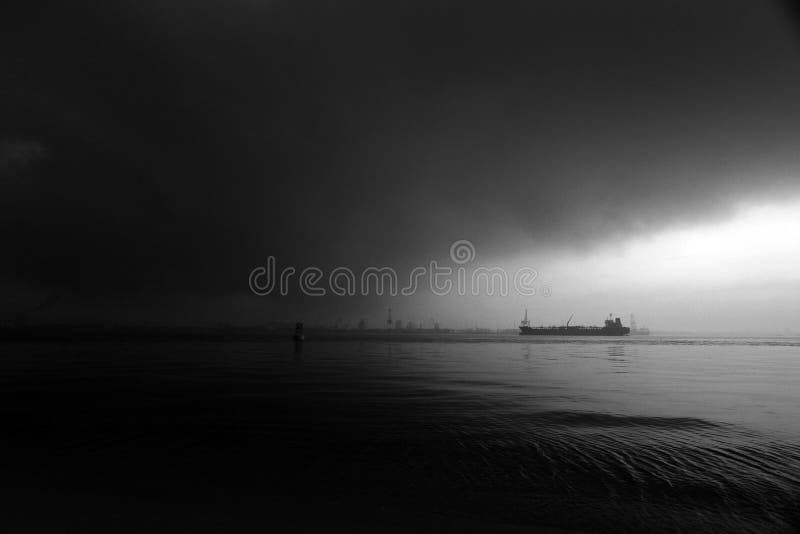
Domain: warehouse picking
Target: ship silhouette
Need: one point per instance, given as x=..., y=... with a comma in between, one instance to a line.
x=613, y=327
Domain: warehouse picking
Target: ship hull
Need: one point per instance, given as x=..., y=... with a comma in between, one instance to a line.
x=574, y=331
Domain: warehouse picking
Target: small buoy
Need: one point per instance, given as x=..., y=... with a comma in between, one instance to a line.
x=298, y=332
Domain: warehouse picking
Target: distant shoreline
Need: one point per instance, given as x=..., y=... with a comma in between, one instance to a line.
x=106, y=333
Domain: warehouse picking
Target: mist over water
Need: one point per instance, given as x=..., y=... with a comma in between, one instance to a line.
x=622, y=435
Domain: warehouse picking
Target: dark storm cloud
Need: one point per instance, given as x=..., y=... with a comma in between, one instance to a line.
x=179, y=143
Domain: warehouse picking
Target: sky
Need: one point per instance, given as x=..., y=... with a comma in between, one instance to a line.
x=152, y=154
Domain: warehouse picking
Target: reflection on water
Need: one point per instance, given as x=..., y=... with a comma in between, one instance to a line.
x=598, y=435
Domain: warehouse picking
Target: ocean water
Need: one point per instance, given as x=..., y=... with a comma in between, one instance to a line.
x=587, y=434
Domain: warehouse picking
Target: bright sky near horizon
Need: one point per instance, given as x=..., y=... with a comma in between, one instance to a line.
x=725, y=276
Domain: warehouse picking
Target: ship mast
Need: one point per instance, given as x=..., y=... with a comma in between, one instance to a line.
x=525, y=321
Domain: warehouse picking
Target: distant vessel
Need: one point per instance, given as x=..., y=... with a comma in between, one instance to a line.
x=636, y=331
x=613, y=327
x=298, y=332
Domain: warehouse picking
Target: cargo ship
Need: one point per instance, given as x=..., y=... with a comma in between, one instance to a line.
x=613, y=327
